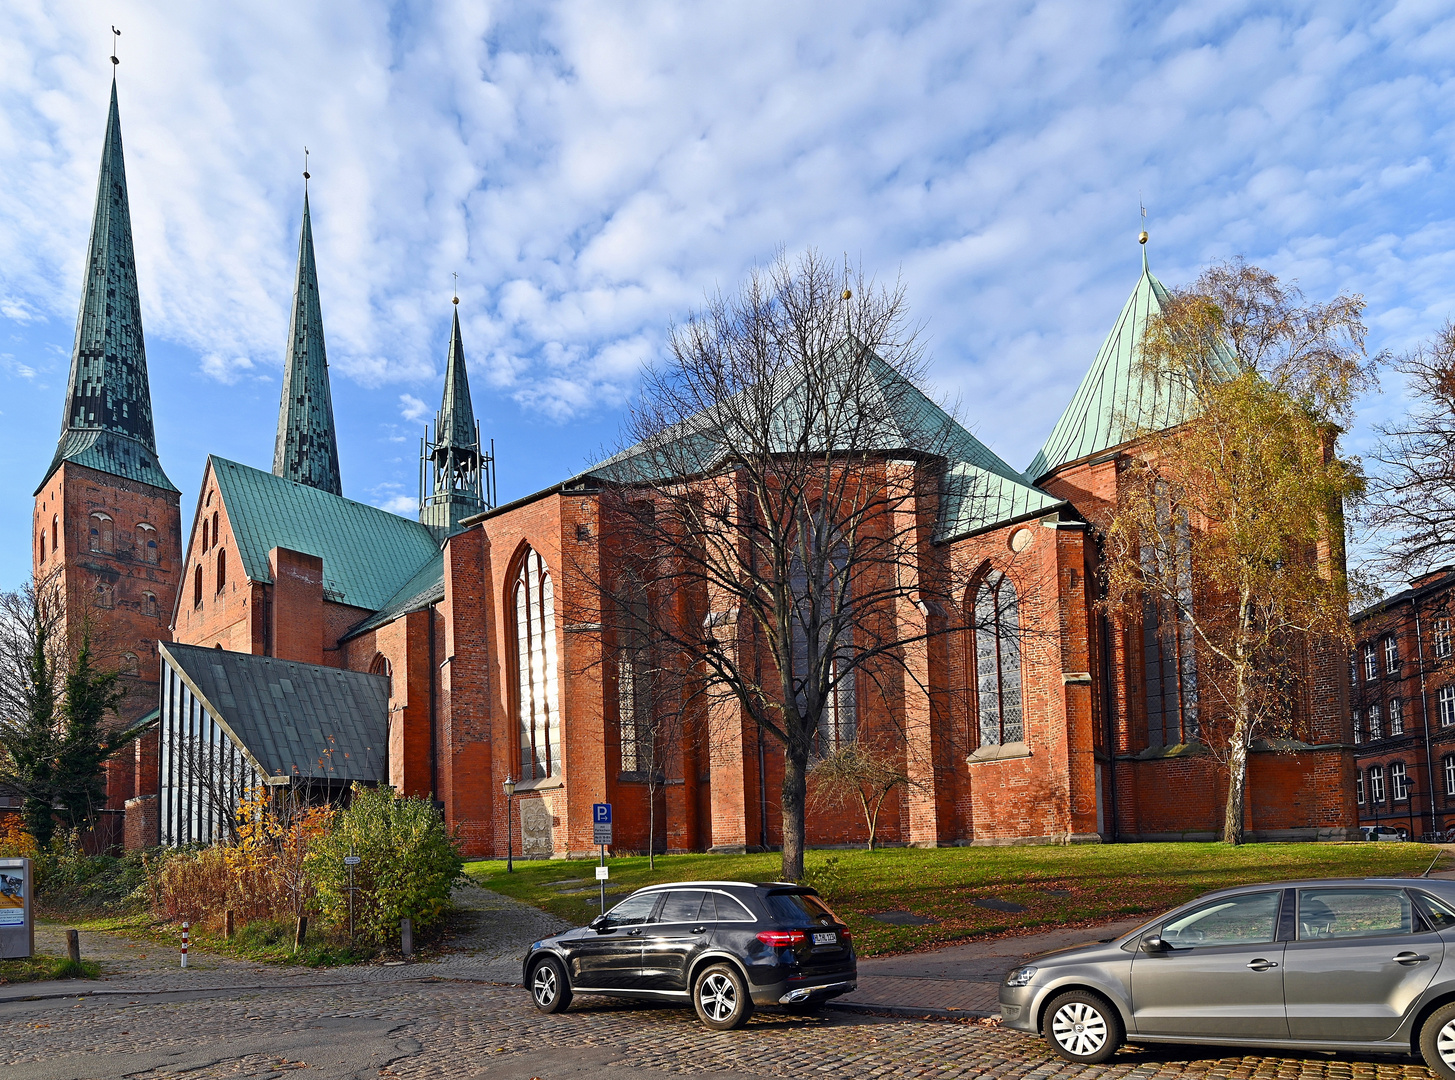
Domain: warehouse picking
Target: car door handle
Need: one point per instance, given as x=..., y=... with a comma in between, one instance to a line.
x=699, y=929
x=633, y=933
x=1409, y=958
x=1261, y=965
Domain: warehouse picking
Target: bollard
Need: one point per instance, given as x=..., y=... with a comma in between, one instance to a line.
x=300, y=932
x=406, y=937
x=73, y=946
x=228, y=925
x=186, y=933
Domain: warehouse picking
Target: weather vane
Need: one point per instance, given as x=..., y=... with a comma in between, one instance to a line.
x=115, y=34
x=1142, y=238
x=305, y=168
x=457, y=286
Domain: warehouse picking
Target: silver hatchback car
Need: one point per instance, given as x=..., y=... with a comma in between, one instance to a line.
x=1364, y=965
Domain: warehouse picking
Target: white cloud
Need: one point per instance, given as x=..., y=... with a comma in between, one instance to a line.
x=411, y=408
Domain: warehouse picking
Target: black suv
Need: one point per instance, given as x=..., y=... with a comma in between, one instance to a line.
x=727, y=945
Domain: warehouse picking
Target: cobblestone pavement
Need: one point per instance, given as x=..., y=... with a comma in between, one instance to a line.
x=451, y=1029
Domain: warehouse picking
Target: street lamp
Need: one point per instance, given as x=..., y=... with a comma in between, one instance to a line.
x=509, y=786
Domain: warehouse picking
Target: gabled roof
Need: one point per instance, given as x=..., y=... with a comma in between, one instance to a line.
x=296, y=720
x=367, y=553
x=306, y=448
x=107, y=424
x=1115, y=400
x=981, y=489
x=419, y=592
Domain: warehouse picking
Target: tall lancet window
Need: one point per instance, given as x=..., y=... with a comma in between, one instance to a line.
x=823, y=640
x=634, y=679
x=998, y=662
x=535, y=659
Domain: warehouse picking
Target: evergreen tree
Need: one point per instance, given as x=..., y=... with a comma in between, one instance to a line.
x=85, y=743
x=32, y=660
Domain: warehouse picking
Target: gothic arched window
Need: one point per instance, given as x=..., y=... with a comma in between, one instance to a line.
x=42, y=543
x=205, y=544
x=149, y=604
x=822, y=613
x=146, y=542
x=197, y=586
x=382, y=666
x=103, y=533
x=105, y=595
x=634, y=679
x=221, y=568
x=535, y=661
x=55, y=534
x=998, y=662
x=129, y=664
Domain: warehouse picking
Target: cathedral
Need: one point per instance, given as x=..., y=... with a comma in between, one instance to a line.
x=296, y=639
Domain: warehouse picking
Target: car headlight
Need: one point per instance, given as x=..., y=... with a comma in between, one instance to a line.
x=1020, y=976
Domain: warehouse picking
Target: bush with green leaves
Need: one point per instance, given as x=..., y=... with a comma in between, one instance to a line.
x=408, y=862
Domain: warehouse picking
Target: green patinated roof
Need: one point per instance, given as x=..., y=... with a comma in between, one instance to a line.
x=368, y=553
x=295, y=719
x=419, y=592
x=455, y=425
x=306, y=448
x=454, y=491
x=1115, y=400
x=981, y=490
x=107, y=424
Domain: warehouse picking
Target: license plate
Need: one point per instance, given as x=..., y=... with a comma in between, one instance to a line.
x=825, y=939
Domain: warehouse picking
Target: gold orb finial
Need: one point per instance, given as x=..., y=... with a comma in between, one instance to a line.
x=848, y=294
x=1142, y=237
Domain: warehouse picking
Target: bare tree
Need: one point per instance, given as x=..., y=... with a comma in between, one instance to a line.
x=862, y=772
x=1230, y=523
x=783, y=480
x=1411, y=498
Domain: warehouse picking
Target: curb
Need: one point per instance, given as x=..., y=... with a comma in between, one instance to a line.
x=155, y=991
x=917, y=1013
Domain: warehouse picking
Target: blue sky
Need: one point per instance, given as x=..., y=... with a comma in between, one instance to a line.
x=590, y=170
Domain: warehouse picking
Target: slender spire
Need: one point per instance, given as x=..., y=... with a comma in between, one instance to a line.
x=107, y=425
x=456, y=484
x=306, y=449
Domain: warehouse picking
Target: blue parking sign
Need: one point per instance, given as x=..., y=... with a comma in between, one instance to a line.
x=601, y=823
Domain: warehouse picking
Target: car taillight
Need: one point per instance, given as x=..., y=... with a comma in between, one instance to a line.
x=845, y=936
x=778, y=938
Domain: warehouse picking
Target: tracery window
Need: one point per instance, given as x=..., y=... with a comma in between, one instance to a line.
x=146, y=542
x=998, y=662
x=634, y=680
x=103, y=533
x=535, y=661
x=1169, y=657
x=820, y=609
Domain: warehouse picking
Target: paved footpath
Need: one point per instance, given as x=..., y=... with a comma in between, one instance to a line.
x=458, y=1017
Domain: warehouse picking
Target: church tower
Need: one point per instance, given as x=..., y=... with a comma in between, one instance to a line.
x=306, y=449
x=455, y=476
x=107, y=520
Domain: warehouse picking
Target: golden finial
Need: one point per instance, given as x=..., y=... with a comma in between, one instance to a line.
x=457, y=287
x=1142, y=236
x=848, y=294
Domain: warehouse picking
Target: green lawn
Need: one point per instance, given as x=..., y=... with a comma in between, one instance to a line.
x=43, y=968
x=1057, y=886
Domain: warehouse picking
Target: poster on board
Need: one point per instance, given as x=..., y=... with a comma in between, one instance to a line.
x=12, y=895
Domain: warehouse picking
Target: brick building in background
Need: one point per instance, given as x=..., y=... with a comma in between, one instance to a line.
x=1035, y=718
x=1402, y=707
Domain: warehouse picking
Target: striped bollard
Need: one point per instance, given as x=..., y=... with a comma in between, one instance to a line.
x=186, y=927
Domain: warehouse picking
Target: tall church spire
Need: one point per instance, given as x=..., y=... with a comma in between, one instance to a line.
x=107, y=424
x=456, y=481
x=306, y=449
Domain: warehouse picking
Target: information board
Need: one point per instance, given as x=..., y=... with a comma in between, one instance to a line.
x=17, y=935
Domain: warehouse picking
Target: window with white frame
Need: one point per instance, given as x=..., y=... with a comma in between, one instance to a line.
x=1399, y=786
x=1359, y=788
x=1449, y=764
x=1371, y=665
x=535, y=660
x=1353, y=669
x=1445, y=698
x=1442, y=639
x=1396, y=716
x=1358, y=719
x=1391, y=655
x=1376, y=726
x=1376, y=784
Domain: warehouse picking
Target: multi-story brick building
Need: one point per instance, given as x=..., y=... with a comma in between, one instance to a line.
x=1031, y=716
x=1402, y=707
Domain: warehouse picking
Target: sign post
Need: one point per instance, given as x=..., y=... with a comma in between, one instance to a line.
x=17, y=920
x=601, y=835
x=351, y=860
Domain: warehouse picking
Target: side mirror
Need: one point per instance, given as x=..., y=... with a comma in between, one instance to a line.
x=598, y=924
x=1153, y=944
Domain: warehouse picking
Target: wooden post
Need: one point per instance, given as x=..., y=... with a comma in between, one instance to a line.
x=228, y=925
x=300, y=932
x=406, y=937
x=73, y=946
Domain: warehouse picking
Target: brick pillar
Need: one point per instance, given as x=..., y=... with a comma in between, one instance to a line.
x=297, y=611
x=729, y=745
x=466, y=784
x=141, y=823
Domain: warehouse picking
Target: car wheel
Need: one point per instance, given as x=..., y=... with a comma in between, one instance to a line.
x=721, y=998
x=549, y=988
x=1437, y=1041
x=1082, y=1027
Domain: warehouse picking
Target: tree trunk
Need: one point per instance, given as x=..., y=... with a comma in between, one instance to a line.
x=1237, y=763
x=652, y=825
x=869, y=815
x=795, y=794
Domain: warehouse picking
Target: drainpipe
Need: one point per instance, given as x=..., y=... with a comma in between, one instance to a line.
x=1424, y=710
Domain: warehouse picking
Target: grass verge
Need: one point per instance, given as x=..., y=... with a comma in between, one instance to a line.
x=262, y=942
x=45, y=968
x=1054, y=886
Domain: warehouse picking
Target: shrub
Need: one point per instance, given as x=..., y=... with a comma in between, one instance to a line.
x=15, y=842
x=67, y=879
x=408, y=864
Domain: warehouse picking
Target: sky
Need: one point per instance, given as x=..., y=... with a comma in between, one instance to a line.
x=592, y=171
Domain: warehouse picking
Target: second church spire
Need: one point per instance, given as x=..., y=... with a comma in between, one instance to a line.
x=306, y=449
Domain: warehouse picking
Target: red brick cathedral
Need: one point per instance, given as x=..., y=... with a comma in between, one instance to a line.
x=302, y=640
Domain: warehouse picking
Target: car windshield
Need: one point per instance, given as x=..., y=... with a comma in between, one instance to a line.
x=795, y=907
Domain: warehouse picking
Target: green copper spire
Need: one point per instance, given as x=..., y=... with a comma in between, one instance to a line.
x=107, y=424
x=453, y=481
x=306, y=449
